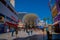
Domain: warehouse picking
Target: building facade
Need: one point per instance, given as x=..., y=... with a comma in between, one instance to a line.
x=12, y=2
x=55, y=9
x=8, y=16
x=21, y=15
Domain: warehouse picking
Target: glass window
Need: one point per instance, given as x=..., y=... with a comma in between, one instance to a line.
x=2, y=15
x=1, y=18
x=59, y=3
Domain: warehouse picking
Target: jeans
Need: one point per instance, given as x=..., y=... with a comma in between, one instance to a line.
x=12, y=33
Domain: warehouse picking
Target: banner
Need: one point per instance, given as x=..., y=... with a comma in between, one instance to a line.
x=58, y=5
x=57, y=18
x=54, y=11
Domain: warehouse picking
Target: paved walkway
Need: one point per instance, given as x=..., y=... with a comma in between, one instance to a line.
x=21, y=34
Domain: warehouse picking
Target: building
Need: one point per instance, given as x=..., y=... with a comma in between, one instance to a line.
x=21, y=15
x=21, y=25
x=12, y=2
x=8, y=15
x=50, y=28
x=41, y=24
x=55, y=9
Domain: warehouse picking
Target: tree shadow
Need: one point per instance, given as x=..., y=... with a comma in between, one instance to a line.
x=3, y=39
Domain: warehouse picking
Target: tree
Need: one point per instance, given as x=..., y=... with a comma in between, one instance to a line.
x=30, y=19
x=46, y=19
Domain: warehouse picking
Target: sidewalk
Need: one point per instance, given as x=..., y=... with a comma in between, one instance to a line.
x=21, y=34
x=9, y=37
x=55, y=35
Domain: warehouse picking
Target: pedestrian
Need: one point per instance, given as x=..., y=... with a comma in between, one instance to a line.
x=12, y=31
x=49, y=36
x=31, y=29
x=25, y=29
x=16, y=31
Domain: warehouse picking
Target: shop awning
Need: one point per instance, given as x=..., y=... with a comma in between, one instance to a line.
x=11, y=24
x=56, y=23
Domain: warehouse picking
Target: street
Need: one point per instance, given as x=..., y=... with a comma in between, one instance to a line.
x=29, y=19
x=36, y=35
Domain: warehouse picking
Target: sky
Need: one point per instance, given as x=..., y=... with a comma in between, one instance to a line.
x=39, y=7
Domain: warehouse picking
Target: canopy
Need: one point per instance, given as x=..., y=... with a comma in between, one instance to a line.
x=11, y=24
x=56, y=23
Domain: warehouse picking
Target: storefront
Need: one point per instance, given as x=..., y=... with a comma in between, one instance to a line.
x=8, y=16
x=1, y=23
x=56, y=33
x=57, y=27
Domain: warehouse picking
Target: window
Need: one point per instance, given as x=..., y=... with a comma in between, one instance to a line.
x=59, y=3
x=0, y=17
x=3, y=2
x=8, y=18
x=8, y=6
x=57, y=28
x=11, y=9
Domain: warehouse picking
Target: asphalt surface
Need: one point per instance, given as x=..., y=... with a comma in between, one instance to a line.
x=34, y=37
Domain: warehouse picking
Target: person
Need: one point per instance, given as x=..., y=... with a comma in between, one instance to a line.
x=30, y=30
x=12, y=31
x=16, y=31
x=25, y=27
x=49, y=36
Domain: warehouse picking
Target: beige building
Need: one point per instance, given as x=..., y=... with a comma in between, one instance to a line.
x=21, y=24
x=12, y=2
x=50, y=28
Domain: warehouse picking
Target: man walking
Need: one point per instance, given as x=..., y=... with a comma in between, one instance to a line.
x=16, y=31
x=12, y=31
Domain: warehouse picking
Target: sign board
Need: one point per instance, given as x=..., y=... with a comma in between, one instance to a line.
x=20, y=24
x=58, y=5
x=54, y=11
x=57, y=18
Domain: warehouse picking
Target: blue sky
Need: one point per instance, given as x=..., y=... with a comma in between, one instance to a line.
x=39, y=7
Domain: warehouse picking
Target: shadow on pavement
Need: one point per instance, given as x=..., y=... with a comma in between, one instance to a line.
x=34, y=37
x=3, y=39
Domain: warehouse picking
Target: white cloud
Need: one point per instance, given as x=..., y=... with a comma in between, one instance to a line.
x=22, y=12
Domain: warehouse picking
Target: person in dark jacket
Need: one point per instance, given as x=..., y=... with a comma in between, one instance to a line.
x=16, y=31
x=12, y=30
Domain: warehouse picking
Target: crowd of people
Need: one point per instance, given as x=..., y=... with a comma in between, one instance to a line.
x=28, y=29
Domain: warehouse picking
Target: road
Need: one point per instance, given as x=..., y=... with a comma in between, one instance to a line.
x=38, y=35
